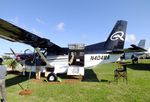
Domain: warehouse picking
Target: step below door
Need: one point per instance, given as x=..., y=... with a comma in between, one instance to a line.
x=75, y=70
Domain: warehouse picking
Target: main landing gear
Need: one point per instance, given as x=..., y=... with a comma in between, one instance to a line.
x=52, y=77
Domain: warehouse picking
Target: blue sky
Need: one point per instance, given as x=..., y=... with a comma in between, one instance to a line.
x=76, y=21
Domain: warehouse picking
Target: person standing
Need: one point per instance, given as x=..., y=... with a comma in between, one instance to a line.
x=3, y=72
x=38, y=67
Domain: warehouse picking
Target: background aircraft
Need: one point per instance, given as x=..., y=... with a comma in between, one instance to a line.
x=136, y=50
x=76, y=57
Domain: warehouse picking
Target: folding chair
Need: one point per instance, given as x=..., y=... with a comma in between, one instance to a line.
x=120, y=73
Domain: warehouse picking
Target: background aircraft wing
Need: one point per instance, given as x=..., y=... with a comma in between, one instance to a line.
x=135, y=48
x=13, y=33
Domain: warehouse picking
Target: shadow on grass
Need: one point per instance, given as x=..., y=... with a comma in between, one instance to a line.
x=17, y=79
x=90, y=76
x=104, y=80
x=140, y=66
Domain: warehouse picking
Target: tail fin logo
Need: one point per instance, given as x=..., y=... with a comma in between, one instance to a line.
x=117, y=35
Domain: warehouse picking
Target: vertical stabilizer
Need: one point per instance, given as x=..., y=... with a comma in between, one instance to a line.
x=141, y=44
x=116, y=38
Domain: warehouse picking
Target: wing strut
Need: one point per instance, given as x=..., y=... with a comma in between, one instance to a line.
x=45, y=60
x=43, y=57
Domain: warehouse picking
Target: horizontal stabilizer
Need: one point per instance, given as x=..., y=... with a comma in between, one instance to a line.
x=115, y=51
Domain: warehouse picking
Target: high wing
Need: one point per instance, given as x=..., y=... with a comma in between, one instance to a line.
x=135, y=48
x=13, y=33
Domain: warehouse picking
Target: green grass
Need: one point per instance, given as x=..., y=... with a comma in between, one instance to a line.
x=98, y=86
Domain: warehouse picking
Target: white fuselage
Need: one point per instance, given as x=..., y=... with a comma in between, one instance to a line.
x=60, y=63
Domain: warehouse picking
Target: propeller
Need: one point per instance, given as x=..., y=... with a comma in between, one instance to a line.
x=14, y=62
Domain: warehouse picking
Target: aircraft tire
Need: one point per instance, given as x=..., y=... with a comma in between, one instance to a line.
x=52, y=77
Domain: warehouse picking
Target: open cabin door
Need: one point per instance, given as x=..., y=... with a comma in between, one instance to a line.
x=76, y=59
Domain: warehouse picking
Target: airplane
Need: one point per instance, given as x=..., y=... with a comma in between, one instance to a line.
x=136, y=50
x=74, y=58
x=147, y=54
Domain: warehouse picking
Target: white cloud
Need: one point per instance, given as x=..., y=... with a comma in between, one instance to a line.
x=130, y=38
x=24, y=27
x=60, y=26
x=34, y=31
x=15, y=20
x=40, y=21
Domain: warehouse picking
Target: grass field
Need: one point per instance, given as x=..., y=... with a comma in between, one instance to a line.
x=98, y=86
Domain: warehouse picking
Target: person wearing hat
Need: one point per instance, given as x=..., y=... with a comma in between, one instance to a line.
x=2, y=80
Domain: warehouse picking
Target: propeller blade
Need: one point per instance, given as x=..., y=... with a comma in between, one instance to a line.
x=13, y=52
